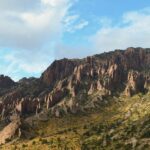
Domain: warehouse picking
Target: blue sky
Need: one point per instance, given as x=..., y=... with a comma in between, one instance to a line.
x=35, y=33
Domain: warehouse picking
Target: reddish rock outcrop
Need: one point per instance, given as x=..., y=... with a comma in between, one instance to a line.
x=77, y=80
x=58, y=70
x=28, y=105
x=10, y=131
x=54, y=97
x=147, y=82
x=135, y=83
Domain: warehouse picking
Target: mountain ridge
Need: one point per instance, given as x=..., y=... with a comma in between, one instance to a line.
x=74, y=86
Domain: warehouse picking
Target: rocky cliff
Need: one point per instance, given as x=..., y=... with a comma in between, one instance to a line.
x=77, y=85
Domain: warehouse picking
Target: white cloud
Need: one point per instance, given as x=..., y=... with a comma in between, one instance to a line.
x=73, y=23
x=55, y=3
x=105, y=21
x=16, y=64
x=33, y=30
x=16, y=5
x=76, y=51
x=30, y=29
x=81, y=25
x=77, y=26
x=133, y=30
x=69, y=20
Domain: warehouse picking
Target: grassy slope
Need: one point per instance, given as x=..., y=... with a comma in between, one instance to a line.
x=123, y=124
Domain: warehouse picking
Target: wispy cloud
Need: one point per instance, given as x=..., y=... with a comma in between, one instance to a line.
x=33, y=32
x=74, y=23
x=81, y=25
x=132, y=30
x=30, y=30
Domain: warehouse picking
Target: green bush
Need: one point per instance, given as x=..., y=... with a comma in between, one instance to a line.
x=24, y=145
x=44, y=141
x=33, y=143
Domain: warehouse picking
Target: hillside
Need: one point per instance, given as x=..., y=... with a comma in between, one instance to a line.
x=99, y=102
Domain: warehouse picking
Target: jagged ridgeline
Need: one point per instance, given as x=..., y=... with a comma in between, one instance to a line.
x=79, y=87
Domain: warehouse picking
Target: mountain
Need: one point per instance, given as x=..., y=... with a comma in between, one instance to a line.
x=102, y=102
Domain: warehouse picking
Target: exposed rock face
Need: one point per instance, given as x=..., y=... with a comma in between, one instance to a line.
x=75, y=81
x=27, y=105
x=58, y=70
x=135, y=83
x=147, y=83
x=54, y=97
x=6, y=82
x=10, y=131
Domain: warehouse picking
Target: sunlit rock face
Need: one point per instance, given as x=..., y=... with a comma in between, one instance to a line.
x=135, y=83
x=72, y=86
x=10, y=131
x=67, y=85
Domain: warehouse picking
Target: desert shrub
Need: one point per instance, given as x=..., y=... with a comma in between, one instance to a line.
x=34, y=142
x=87, y=133
x=8, y=140
x=146, y=134
x=14, y=147
x=69, y=129
x=146, y=146
x=44, y=141
x=41, y=133
x=51, y=141
x=85, y=127
x=74, y=130
x=24, y=145
x=128, y=147
x=118, y=146
x=58, y=139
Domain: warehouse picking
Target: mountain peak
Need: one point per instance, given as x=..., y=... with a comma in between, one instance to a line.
x=74, y=86
x=6, y=82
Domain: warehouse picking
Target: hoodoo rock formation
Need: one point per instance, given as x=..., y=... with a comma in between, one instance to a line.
x=135, y=83
x=67, y=85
